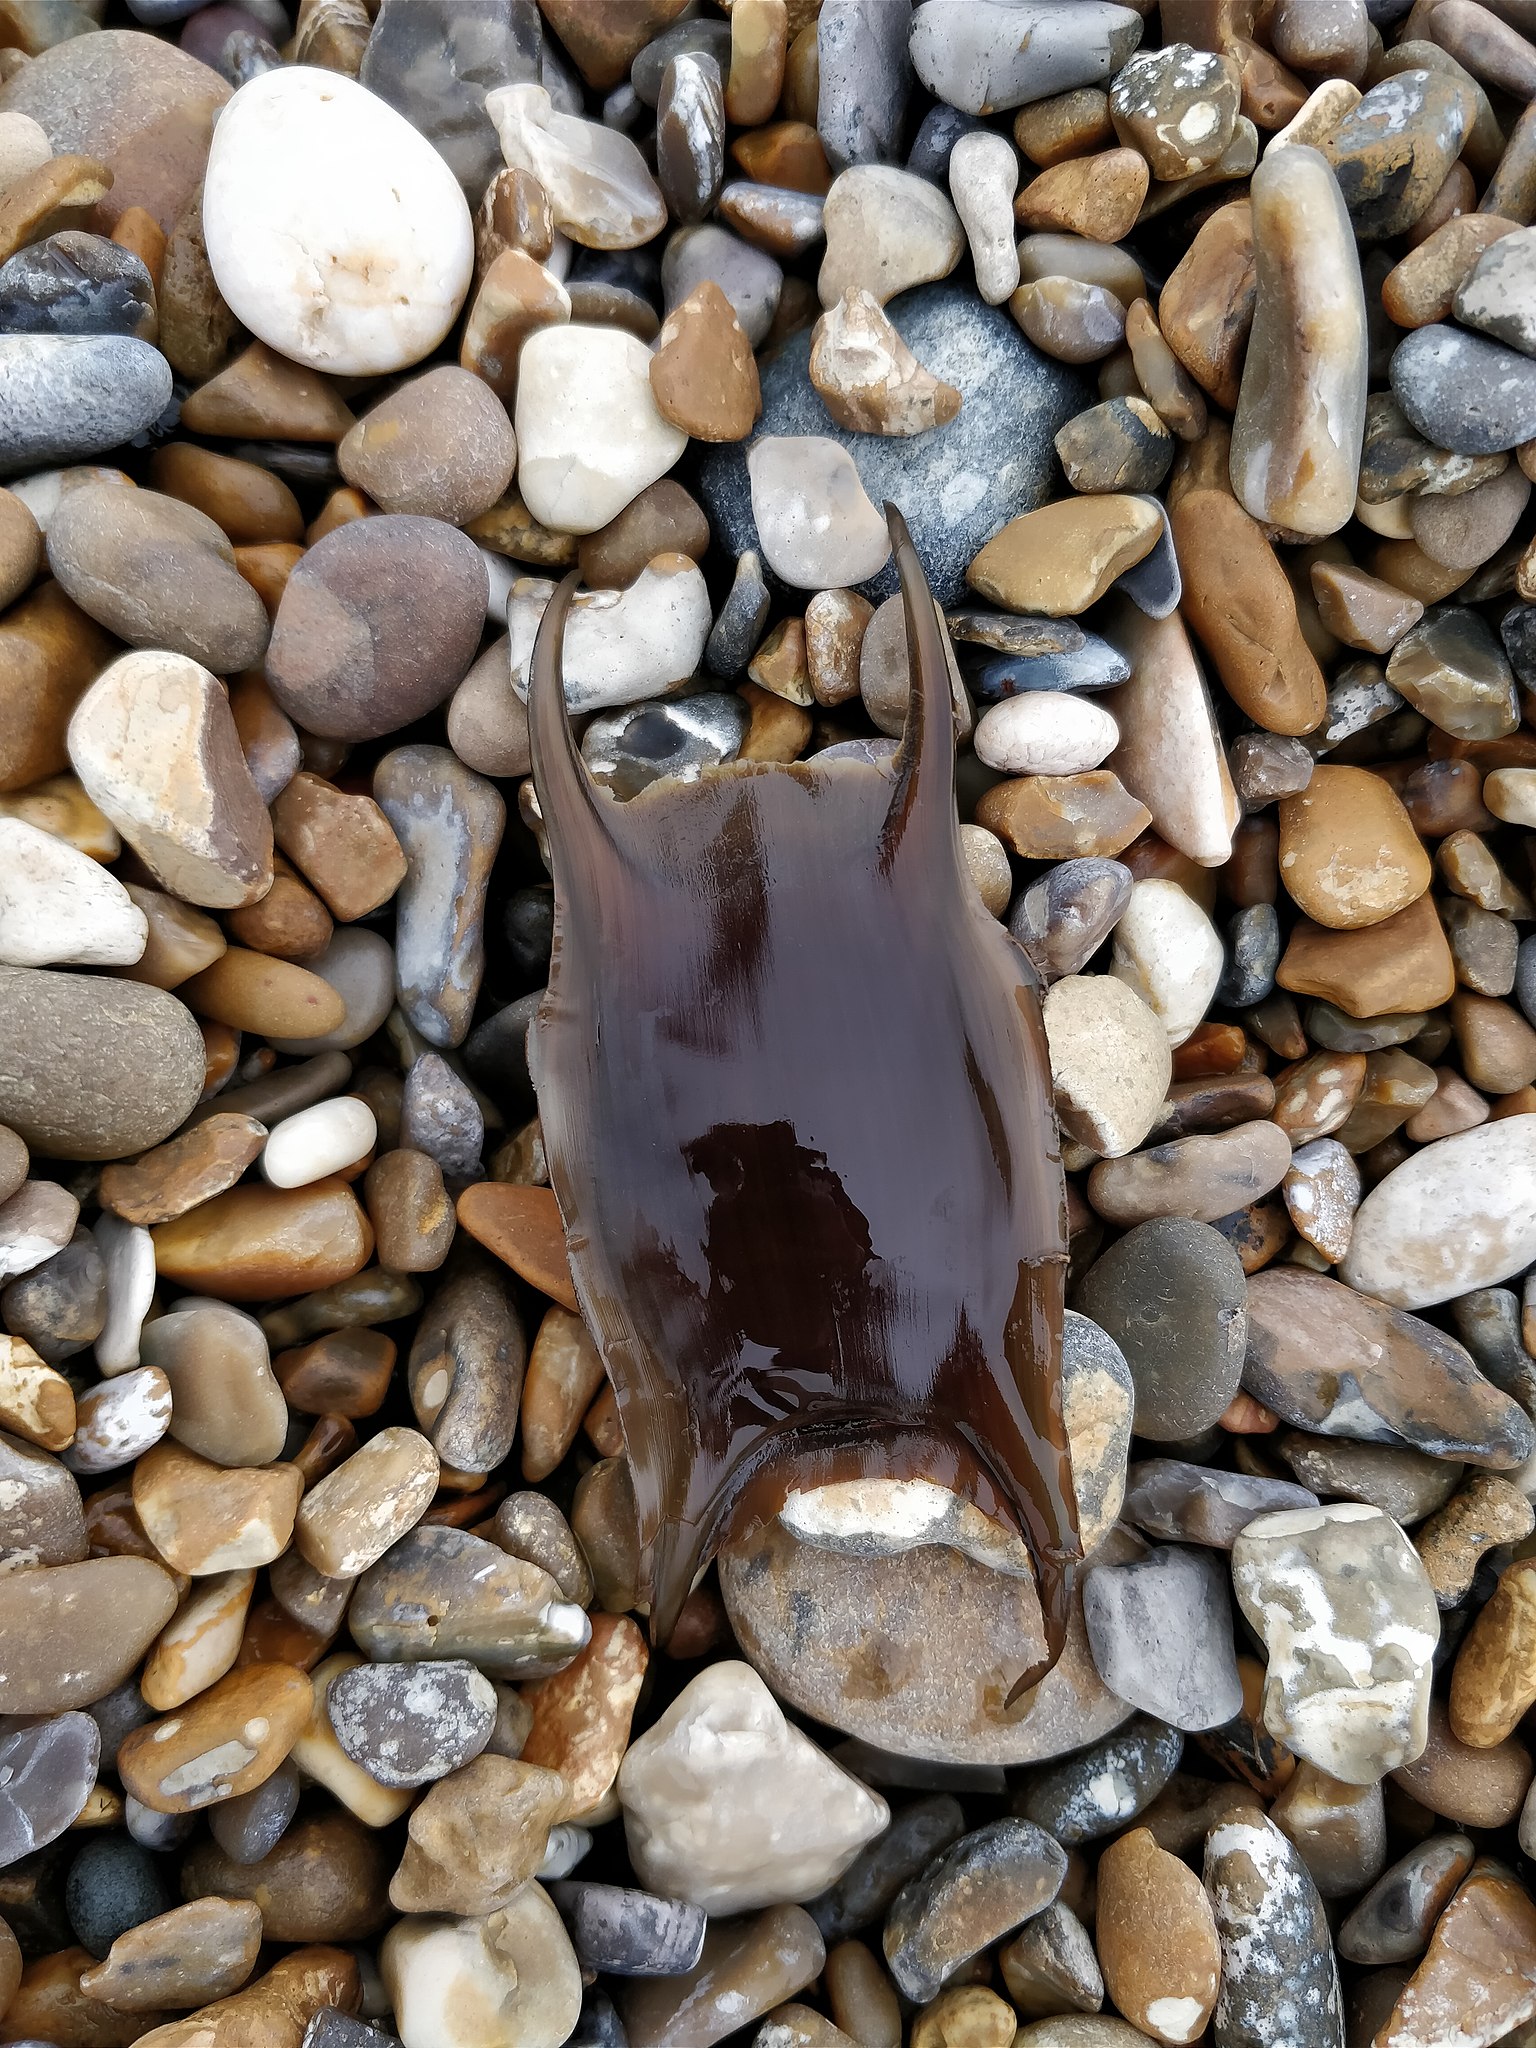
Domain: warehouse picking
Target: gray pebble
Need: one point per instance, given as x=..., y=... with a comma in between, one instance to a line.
x=865, y=78
x=1525, y=977
x=1464, y=392
x=937, y=133
x=1094, y=1793
x=71, y=397
x=1160, y=1629
x=465, y=1372
x=46, y=1773
x=439, y=1115
x=529, y=1525
x=630, y=1933
x=1185, y=1503
x=252, y=1824
x=917, y=1834
x=409, y=1724
x=750, y=278
x=123, y=1710
x=161, y=1832
x=992, y=54
x=1279, y=1980
x=1517, y=630
x=1062, y=920
x=332, y=2028
x=703, y=35
x=1154, y=584
x=734, y=636
x=1334, y=1030
x=1393, y=1922
x=1172, y=1294
x=60, y=1306
x=1267, y=765
x=1253, y=954
x=636, y=745
x=113, y=1884
x=977, y=1890
x=74, y=283
x=1091, y=664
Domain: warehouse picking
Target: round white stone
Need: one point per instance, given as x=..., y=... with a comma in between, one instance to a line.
x=319, y=1140
x=589, y=436
x=1169, y=952
x=1510, y=793
x=510, y=1979
x=818, y=529
x=1456, y=1216
x=117, y=1420
x=1110, y=1061
x=1045, y=732
x=335, y=231
x=57, y=904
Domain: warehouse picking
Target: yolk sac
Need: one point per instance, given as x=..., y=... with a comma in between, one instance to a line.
x=796, y=1102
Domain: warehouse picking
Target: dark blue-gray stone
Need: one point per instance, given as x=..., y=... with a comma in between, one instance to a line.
x=1253, y=954
x=332, y=2028
x=1154, y=584
x=71, y=397
x=734, y=636
x=1525, y=978
x=599, y=2025
x=435, y=60
x=630, y=1933
x=528, y=922
x=957, y=485
x=982, y=1887
x=75, y=283
x=1095, y=665
x=246, y=56
x=1464, y=392
x=113, y=1885
x=867, y=1887
x=938, y=132
x=1099, y=1790
x=1062, y=920
x=1517, y=629
x=123, y=1710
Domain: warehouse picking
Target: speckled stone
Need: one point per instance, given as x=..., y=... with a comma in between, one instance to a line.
x=975, y=1891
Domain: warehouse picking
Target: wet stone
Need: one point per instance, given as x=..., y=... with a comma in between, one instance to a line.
x=1393, y=1921
x=977, y=1890
x=747, y=1967
x=1092, y=1794
x=1172, y=1289
x=442, y=1592
x=1279, y=1979
x=918, y=1832
x=409, y=1724
x=630, y=1933
x=75, y=283
x=1452, y=669
x=1063, y=919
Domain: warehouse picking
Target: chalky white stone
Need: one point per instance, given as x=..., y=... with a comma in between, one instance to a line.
x=600, y=192
x=335, y=231
x=983, y=177
x=1455, y=1216
x=57, y=905
x=118, y=1419
x=886, y=230
x=319, y=1140
x=620, y=646
x=1110, y=1061
x=1045, y=732
x=887, y=1517
x=128, y=1263
x=1349, y=1621
x=1510, y=793
x=510, y=1978
x=1169, y=952
x=589, y=436
x=729, y=1807
x=818, y=529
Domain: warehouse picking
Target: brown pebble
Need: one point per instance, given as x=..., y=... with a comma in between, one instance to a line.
x=50, y=2006
x=516, y=297
x=411, y=1213
x=703, y=373
x=1474, y=1982
x=71, y=1632
x=254, y=1242
x=1493, y=1681
x=1240, y=604
x=325, y=1879
x=1063, y=817
x=368, y=1502
x=1095, y=196
x=565, y=1371
x=262, y=396
x=477, y=1836
x=257, y=992
x=289, y=923
x=581, y=1716
x=50, y=653
x=662, y=520
x=522, y=1226
x=228, y=1740
x=1206, y=307
x=189, y=1956
x=341, y=842
x=1475, y=1788
x=183, y=1172
x=1349, y=855
x=1156, y=1938
x=1403, y=963
x=204, y=1518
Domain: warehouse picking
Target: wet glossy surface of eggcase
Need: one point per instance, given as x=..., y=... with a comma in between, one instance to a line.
x=795, y=1096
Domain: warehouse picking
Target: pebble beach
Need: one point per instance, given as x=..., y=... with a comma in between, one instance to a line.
x=1194, y=343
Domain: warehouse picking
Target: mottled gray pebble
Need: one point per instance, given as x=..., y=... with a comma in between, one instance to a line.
x=1185, y=1503
x=1279, y=1981
x=630, y=1933
x=1062, y=920
x=70, y=397
x=1094, y=1793
x=1464, y=392
x=1160, y=1629
x=75, y=283
x=977, y=1890
x=408, y=1724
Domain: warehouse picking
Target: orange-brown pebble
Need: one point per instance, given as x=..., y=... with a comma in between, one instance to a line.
x=1240, y=604
x=256, y=992
x=1349, y=855
x=1156, y=1937
x=275, y=2010
x=581, y=1716
x=1097, y=197
x=522, y=1226
x=228, y=1740
x=345, y=1372
x=1475, y=1788
x=204, y=1518
x=262, y=395
x=1403, y=963
x=703, y=372
x=255, y=1243
x=564, y=1373
x=36, y=1403
x=1063, y=817
x=1493, y=1681
x=191, y=1168
x=290, y=922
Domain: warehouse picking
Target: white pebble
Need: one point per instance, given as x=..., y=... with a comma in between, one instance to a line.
x=59, y=905
x=983, y=177
x=511, y=1978
x=1169, y=952
x=128, y=1261
x=620, y=645
x=886, y=230
x=600, y=191
x=317, y=1141
x=818, y=529
x=1045, y=732
x=119, y=1419
x=1510, y=793
x=589, y=436
x=1110, y=1061
x=335, y=231
x=1456, y=1216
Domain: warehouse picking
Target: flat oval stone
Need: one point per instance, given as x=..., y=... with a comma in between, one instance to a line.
x=292, y=195
x=1172, y=1295
x=999, y=53
x=226, y=1405
x=630, y=1933
x=1464, y=392
x=953, y=489
x=256, y=1242
x=42, y=1520
x=46, y=1772
x=1349, y=1620
x=442, y=1592
x=1392, y=1922
x=95, y=1068
x=67, y=398
x=157, y=573
x=440, y=445
x=1204, y=1177
x=1338, y=1362
x=223, y=1743
x=589, y=435
x=71, y=1632
x=409, y=1724
x=187, y=1956
x=1458, y=1215
x=377, y=624
x=815, y=523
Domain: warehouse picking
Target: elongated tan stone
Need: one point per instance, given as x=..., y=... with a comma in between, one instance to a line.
x=205, y=1518
x=1301, y=409
x=70, y=1632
